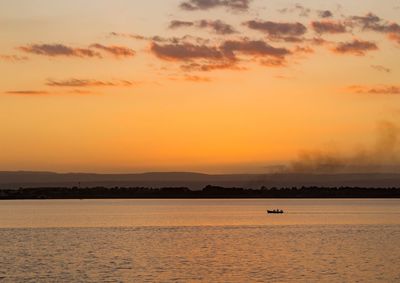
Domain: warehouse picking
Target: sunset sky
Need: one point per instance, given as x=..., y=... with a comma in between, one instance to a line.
x=212, y=86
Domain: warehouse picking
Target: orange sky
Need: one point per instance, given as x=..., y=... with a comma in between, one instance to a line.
x=233, y=86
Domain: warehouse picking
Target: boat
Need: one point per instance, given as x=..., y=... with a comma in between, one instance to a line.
x=276, y=211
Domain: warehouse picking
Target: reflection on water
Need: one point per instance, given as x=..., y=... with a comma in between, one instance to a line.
x=200, y=241
x=134, y=213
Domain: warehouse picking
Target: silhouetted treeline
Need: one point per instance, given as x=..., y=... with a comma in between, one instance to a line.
x=207, y=192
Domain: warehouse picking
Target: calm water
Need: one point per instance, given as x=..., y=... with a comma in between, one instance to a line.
x=200, y=241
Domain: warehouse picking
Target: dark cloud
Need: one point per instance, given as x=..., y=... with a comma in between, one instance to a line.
x=27, y=92
x=117, y=51
x=252, y=47
x=369, y=22
x=53, y=50
x=355, y=47
x=380, y=89
x=236, y=5
x=227, y=55
x=185, y=51
x=303, y=49
x=276, y=29
x=217, y=26
x=381, y=68
x=325, y=14
x=227, y=50
x=179, y=24
x=322, y=27
x=374, y=23
x=88, y=83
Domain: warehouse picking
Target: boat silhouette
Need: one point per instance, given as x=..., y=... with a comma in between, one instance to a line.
x=276, y=211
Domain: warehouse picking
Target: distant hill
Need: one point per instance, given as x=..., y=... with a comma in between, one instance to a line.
x=195, y=181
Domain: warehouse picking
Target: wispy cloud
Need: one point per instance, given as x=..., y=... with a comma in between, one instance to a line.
x=92, y=51
x=297, y=8
x=325, y=14
x=236, y=5
x=355, y=47
x=185, y=51
x=179, y=24
x=218, y=26
x=27, y=92
x=226, y=55
x=13, y=58
x=380, y=89
x=53, y=50
x=322, y=27
x=117, y=51
x=252, y=47
x=381, y=68
x=372, y=22
x=88, y=83
x=196, y=79
x=277, y=30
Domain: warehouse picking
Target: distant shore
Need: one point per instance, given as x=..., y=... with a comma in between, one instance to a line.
x=208, y=192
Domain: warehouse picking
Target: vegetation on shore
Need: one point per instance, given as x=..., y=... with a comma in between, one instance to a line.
x=206, y=192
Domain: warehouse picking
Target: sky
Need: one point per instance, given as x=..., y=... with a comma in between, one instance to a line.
x=216, y=86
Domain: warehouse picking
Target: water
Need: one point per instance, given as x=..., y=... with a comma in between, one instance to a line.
x=199, y=241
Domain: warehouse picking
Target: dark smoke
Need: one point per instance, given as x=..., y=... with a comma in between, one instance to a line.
x=382, y=157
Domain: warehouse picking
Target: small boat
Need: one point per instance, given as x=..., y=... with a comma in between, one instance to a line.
x=276, y=211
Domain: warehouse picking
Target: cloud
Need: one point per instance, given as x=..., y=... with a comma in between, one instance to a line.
x=185, y=51
x=372, y=22
x=325, y=14
x=303, y=49
x=53, y=50
x=27, y=92
x=197, y=79
x=88, y=83
x=137, y=36
x=381, y=89
x=117, y=51
x=381, y=68
x=297, y=8
x=318, y=41
x=236, y=5
x=160, y=39
x=277, y=30
x=209, y=66
x=226, y=55
x=179, y=24
x=252, y=47
x=13, y=58
x=328, y=27
x=217, y=26
x=355, y=47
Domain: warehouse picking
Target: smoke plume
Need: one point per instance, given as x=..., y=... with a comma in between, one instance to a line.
x=382, y=157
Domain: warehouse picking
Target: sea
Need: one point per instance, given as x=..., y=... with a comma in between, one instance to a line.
x=207, y=240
